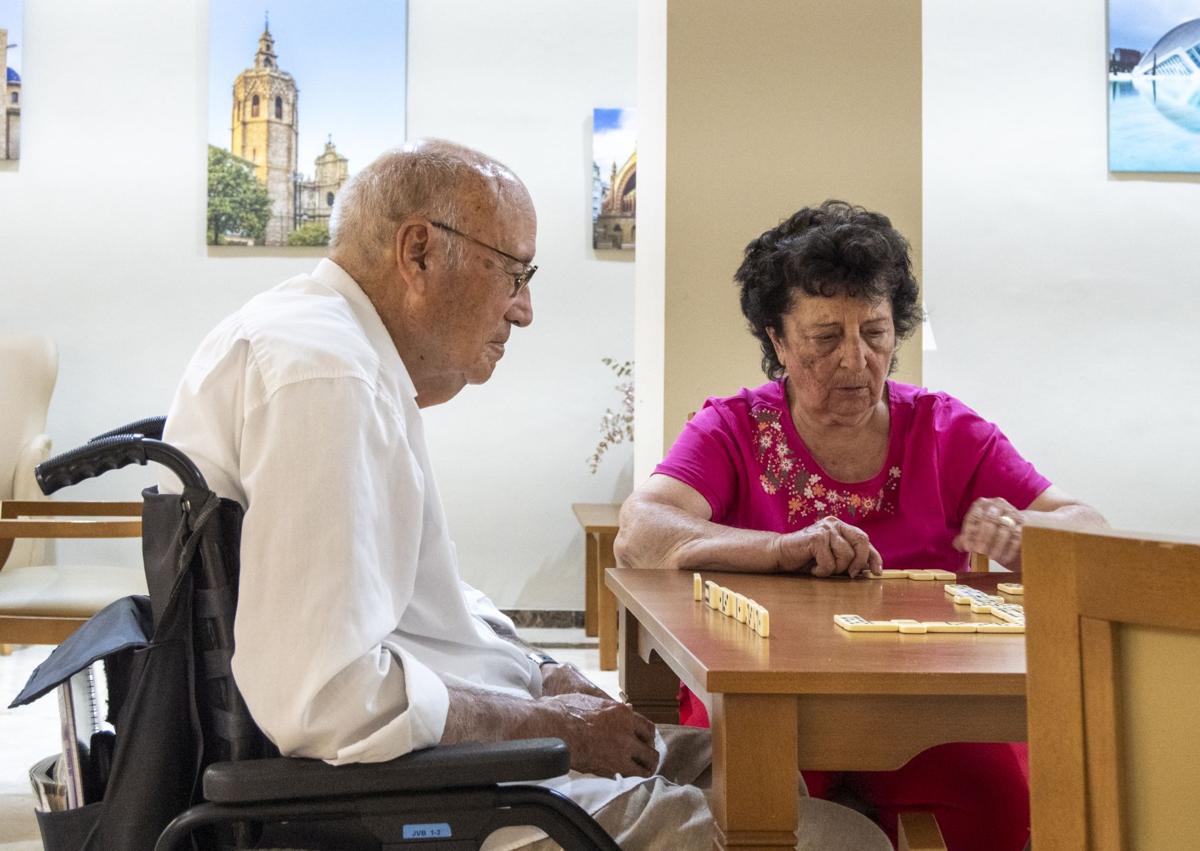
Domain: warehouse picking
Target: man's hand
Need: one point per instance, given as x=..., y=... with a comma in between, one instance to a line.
x=827, y=547
x=992, y=527
x=561, y=678
x=605, y=737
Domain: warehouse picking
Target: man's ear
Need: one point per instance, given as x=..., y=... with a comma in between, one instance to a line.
x=411, y=247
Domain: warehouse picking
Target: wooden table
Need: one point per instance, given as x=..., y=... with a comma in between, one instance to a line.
x=599, y=522
x=813, y=695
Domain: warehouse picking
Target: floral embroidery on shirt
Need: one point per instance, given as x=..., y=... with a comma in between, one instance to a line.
x=806, y=493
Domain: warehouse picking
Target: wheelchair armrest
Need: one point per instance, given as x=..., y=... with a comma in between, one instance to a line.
x=443, y=767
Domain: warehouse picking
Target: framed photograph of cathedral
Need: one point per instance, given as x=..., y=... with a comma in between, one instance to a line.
x=294, y=109
x=10, y=65
x=614, y=179
x=1154, y=86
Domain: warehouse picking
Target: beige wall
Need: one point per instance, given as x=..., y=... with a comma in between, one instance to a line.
x=781, y=104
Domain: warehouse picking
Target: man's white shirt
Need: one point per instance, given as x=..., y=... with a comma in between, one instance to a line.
x=299, y=407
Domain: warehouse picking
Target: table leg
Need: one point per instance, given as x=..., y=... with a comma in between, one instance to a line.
x=754, y=771
x=589, y=584
x=648, y=685
x=606, y=603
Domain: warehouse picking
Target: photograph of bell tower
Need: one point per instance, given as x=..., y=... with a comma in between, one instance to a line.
x=265, y=132
x=272, y=180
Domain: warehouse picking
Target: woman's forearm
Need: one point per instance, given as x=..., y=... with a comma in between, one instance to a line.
x=657, y=535
x=1075, y=514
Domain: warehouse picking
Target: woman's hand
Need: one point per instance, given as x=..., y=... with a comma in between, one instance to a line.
x=827, y=547
x=992, y=527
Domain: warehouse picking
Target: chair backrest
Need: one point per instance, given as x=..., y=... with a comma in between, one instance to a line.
x=28, y=371
x=1113, y=644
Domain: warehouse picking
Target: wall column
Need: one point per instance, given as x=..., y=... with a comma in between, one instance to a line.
x=747, y=112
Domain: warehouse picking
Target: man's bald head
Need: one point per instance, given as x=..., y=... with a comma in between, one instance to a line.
x=434, y=178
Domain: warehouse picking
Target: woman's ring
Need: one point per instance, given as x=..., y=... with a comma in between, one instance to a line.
x=1005, y=520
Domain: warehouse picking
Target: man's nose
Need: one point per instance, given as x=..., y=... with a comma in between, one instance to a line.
x=520, y=313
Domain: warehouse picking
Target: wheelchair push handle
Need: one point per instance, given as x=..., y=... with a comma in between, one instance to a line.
x=103, y=454
x=151, y=427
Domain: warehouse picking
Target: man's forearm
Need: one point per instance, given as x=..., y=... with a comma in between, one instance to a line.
x=476, y=715
x=603, y=736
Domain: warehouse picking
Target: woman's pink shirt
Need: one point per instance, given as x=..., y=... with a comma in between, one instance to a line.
x=743, y=454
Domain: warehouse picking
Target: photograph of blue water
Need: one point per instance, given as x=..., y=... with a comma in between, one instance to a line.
x=1154, y=86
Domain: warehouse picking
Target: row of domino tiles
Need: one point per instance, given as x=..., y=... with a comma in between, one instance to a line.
x=732, y=604
x=1012, y=615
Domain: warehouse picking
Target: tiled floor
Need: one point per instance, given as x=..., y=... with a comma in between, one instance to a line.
x=26, y=735
x=30, y=733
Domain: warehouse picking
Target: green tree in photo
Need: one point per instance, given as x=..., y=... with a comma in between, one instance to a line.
x=237, y=203
x=310, y=233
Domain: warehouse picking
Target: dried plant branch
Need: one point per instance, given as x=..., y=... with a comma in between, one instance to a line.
x=616, y=426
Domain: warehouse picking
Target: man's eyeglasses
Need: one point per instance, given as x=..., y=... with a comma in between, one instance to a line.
x=520, y=279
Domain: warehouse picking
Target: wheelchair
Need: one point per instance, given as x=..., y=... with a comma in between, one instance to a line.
x=189, y=768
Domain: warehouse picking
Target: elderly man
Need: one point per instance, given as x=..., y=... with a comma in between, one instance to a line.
x=356, y=639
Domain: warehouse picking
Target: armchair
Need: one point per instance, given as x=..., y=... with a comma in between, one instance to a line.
x=41, y=602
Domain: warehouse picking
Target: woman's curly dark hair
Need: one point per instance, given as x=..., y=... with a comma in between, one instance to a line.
x=831, y=250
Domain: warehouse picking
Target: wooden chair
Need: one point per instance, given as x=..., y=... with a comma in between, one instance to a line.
x=1113, y=644
x=44, y=603
x=918, y=832
x=41, y=602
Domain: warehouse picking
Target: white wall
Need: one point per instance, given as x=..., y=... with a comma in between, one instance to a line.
x=1064, y=299
x=519, y=80
x=102, y=230
x=651, y=291
x=102, y=222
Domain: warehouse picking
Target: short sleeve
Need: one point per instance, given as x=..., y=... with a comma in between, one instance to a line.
x=705, y=458
x=978, y=461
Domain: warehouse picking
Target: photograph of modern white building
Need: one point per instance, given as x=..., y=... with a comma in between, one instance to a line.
x=1154, y=86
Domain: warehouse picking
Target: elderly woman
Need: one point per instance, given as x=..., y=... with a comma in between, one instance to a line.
x=831, y=468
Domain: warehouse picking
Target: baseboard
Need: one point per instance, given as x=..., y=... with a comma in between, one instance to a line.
x=546, y=618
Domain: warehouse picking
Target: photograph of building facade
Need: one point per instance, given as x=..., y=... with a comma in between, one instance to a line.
x=614, y=179
x=1154, y=86
x=262, y=188
x=10, y=108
